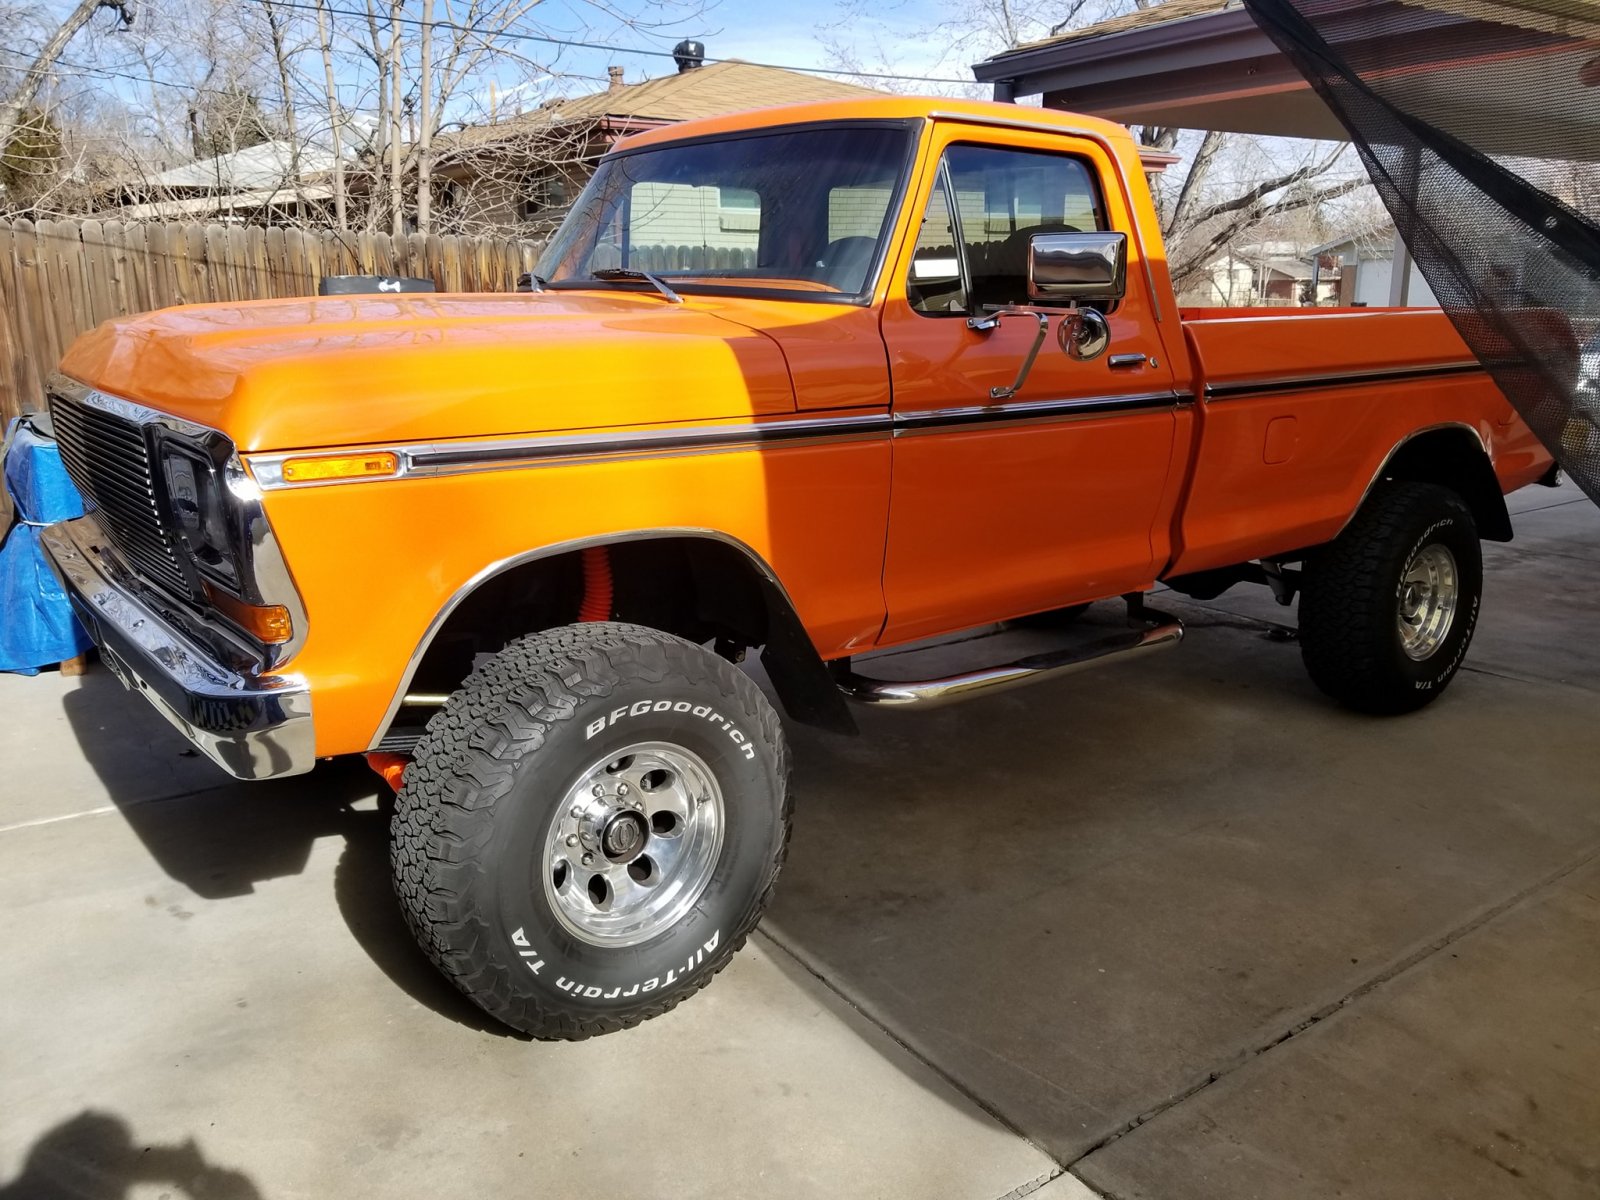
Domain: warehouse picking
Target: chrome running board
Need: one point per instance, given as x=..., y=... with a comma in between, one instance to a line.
x=927, y=693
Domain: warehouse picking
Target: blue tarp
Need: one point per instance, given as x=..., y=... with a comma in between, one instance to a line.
x=37, y=627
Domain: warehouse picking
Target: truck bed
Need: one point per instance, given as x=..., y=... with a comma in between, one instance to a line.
x=1297, y=410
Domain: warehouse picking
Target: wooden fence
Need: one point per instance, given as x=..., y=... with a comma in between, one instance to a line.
x=61, y=278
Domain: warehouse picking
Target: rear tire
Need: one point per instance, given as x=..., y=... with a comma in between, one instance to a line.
x=1389, y=607
x=591, y=827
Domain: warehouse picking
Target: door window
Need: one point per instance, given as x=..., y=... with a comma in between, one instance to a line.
x=1001, y=199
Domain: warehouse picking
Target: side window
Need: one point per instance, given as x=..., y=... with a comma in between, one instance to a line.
x=1003, y=198
x=935, y=283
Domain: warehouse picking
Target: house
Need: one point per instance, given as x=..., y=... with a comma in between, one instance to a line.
x=1365, y=269
x=1269, y=273
x=265, y=184
x=526, y=170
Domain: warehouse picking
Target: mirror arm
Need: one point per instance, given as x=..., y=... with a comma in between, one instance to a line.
x=991, y=321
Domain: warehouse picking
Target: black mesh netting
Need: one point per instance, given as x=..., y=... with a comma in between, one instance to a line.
x=1479, y=122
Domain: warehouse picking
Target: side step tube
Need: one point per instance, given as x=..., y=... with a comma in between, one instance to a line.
x=891, y=693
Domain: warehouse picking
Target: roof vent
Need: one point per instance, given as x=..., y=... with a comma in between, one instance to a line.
x=688, y=55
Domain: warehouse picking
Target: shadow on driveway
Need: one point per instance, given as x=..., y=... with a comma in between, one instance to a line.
x=93, y=1156
x=222, y=841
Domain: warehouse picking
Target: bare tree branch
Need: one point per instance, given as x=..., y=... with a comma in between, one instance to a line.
x=28, y=90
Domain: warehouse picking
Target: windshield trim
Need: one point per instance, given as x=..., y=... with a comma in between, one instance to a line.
x=747, y=290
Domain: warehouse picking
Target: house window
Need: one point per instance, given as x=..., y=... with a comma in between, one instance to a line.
x=738, y=209
x=545, y=194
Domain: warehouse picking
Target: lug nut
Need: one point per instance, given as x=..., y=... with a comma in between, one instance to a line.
x=588, y=860
x=572, y=839
x=622, y=789
x=599, y=791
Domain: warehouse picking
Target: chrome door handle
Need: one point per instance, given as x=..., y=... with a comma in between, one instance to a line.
x=1117, y=361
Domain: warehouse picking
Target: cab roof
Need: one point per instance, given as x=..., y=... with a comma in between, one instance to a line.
x=881, y=108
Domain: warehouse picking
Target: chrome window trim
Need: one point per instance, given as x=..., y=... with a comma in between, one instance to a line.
x=265, y=561
x=500, y=566
x=1100, y=140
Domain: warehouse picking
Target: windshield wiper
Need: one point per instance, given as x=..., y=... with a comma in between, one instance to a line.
x=630, y=275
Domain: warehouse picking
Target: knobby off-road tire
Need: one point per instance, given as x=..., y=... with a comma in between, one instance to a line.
x=1389, y=607
x=566, y=772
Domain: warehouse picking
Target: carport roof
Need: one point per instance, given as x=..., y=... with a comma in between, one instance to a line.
x=1204, y=64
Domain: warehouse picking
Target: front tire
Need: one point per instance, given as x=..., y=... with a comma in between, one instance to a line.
x=591, y=827
x=1389, y=607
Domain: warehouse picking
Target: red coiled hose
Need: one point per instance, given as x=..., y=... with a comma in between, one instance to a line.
x=596, y=604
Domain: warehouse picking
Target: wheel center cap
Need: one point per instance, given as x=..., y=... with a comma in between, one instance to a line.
x=624, y=836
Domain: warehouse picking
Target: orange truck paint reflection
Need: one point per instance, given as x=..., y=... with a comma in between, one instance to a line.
x=1258, y=434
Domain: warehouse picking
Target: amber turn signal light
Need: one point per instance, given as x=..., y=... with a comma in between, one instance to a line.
x=321, y=467
x=269, y=624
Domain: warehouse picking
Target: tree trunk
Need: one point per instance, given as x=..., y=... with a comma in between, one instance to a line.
x=341, y=216
x=425, y=124
x=380, y=61
x=397, y=214
x=290, y=128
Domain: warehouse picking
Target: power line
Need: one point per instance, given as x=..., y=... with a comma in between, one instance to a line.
x=572, y=43
x=72, y=70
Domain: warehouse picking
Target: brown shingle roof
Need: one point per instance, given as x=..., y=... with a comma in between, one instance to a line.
x=723, y=87
x=1139, y=18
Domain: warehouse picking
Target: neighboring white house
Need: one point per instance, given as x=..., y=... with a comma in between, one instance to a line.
x=1366, y=270
x=1271, y=273
x=258, y=183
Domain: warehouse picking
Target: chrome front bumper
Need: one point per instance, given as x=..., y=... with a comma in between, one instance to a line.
x=253, y=728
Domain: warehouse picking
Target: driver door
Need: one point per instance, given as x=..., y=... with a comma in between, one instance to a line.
x=1048, y=497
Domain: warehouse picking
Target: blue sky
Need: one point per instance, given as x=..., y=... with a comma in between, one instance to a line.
x=790, y=34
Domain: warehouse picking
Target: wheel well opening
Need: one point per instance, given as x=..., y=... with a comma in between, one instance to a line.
x=702, y=589
x=1454, y=458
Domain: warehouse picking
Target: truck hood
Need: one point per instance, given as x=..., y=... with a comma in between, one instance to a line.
x=335, y=371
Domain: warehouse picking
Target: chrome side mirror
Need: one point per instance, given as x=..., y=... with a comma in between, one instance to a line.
x=1077, y=266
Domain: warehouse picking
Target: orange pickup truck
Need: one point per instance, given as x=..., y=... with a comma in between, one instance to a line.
x=817, y=380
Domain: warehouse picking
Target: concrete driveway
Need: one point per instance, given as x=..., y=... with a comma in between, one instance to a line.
x=1180, y=927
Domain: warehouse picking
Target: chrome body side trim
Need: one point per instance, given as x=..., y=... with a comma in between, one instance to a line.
x=930, y=693
x=1287, y=383
x=455, y=458
x=1028, y=412
x=258, y=728
x=403, y=689
x=1099, y=139
x=544, y=450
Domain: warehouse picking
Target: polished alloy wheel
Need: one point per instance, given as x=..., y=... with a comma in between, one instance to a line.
x=1429, y=594
x=634, y=844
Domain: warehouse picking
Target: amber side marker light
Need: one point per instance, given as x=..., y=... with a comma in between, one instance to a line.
x=323, y=467
x=269, y=624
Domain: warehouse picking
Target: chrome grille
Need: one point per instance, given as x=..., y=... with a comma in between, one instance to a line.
x=108, y=458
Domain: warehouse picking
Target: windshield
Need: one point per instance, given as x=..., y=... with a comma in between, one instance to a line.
x=804, y=212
